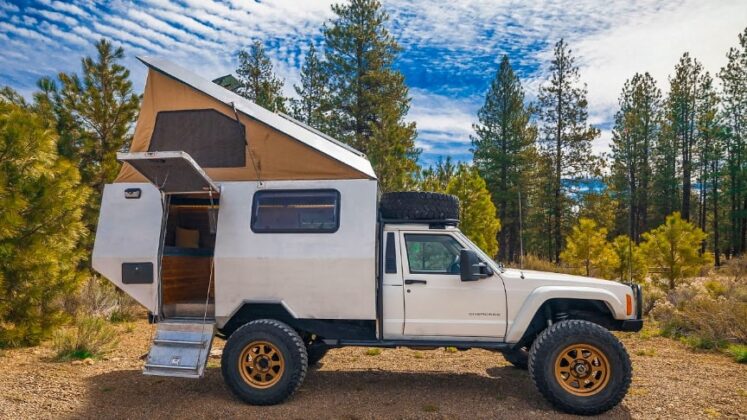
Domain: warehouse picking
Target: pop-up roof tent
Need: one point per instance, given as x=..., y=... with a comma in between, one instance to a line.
x=230, y=137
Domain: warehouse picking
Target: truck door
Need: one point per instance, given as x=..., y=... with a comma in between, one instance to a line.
x=437, y=302
x=128, y=237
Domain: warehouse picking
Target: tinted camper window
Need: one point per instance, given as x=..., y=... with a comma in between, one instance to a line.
x=296, y=211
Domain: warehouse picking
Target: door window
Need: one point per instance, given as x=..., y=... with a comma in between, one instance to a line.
x=432, y=254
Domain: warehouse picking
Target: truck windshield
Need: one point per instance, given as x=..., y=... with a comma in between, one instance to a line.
x=483, y=256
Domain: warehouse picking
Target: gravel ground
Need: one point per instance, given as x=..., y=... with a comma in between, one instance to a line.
x=669, y=381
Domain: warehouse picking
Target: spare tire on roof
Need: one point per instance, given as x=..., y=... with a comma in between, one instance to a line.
x=415, y=205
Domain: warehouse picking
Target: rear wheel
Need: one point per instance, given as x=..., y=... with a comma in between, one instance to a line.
x=264, y=362
x=580, y=367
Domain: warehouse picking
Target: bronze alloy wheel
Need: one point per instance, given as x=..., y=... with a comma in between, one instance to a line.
x=582, y=369
x=261, y=364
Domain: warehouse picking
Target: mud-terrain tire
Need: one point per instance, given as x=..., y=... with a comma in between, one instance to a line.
x=415, y=205
x=517, y=357
x=264, y=362
x=316, y=352
x=580, y=367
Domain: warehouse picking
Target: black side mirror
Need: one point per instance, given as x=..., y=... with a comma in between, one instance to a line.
x=470, y=266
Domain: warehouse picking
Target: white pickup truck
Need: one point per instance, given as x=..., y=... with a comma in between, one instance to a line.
x=288, y=270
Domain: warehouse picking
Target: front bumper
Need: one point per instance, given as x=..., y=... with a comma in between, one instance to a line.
x=637, y=323
x=631, y=325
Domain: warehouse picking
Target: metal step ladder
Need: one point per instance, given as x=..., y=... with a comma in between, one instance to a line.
x=180, y=349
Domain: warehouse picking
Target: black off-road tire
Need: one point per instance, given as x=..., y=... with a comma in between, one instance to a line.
x=316, y=352
x=415, y=205
x=286, y=341
x=556, y=338
x=519, y=358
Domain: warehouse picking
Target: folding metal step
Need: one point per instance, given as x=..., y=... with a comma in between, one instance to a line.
x=180, y=349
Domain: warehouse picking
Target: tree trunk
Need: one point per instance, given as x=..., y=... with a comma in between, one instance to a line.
x=716, y=250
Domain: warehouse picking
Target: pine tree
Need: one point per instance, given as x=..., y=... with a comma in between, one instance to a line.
x=734, y=99
x=666, y=186
x=601, y=207
x=629, y=258
x=313, y=104
x=94, y=113
x=588, y=250
x=369, y=97
x=637, y=127
x=477, y=215
x=436, y=178
x=709, y=156
x=258, y=81
x=675, y=247
x=566, y=136
x=681, y=108
x=503, y=147
x=41, y=202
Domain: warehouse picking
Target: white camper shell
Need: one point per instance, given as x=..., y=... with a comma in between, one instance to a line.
x=229, y=219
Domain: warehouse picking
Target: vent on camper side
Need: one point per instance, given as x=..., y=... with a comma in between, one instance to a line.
x=180, y=349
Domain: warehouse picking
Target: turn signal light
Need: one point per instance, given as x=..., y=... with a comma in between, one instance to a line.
x=629, y=304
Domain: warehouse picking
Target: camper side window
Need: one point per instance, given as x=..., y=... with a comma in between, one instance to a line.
x=296, y=211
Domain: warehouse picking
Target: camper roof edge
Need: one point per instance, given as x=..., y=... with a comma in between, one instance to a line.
x=356, y=161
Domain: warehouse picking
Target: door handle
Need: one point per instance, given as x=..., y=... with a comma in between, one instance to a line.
x=410, y=281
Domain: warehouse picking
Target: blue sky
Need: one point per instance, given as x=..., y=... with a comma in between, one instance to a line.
x=450, y=51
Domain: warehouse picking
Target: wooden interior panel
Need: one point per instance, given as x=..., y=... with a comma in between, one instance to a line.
x=185, y=279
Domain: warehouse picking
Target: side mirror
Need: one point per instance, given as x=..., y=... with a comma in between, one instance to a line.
x=470, y=266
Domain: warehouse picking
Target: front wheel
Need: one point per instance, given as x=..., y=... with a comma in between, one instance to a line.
x=264, y=362
x=580, y=367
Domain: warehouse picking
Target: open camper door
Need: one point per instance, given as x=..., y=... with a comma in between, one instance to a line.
x=170, y=172
x=181, y=346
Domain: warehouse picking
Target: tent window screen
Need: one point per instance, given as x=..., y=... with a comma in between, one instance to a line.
x=212, y=139
x=296, y=211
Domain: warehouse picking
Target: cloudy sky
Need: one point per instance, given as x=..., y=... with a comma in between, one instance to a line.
x=451, y=49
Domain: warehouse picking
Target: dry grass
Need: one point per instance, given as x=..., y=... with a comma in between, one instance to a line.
x=347, y=384
x=89, y=337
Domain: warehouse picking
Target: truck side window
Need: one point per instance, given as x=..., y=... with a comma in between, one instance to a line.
x=432, y=254
x=296, y=211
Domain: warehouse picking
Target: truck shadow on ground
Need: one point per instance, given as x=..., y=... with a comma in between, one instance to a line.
x=504, y=392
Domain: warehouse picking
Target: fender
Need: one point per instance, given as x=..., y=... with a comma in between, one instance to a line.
x=544, y=293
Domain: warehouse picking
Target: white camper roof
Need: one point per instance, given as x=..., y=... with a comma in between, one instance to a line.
x=283, y=123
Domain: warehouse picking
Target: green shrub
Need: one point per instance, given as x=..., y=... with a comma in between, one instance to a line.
x=89, y=337
x=738, y=352
x=705, y=315
x=101, y=299
x=125, y=309
x=533, y=262
x=373, y=351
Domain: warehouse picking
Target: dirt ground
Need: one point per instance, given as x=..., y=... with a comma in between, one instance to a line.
x=669, y=381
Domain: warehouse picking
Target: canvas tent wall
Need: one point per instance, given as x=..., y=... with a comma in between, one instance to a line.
x=181, y=111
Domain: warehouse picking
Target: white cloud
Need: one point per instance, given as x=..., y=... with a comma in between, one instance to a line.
x=460, y=40
x=54, y=16
x=654, y=43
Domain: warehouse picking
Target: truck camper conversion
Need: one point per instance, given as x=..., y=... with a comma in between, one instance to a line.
x=233, y=221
